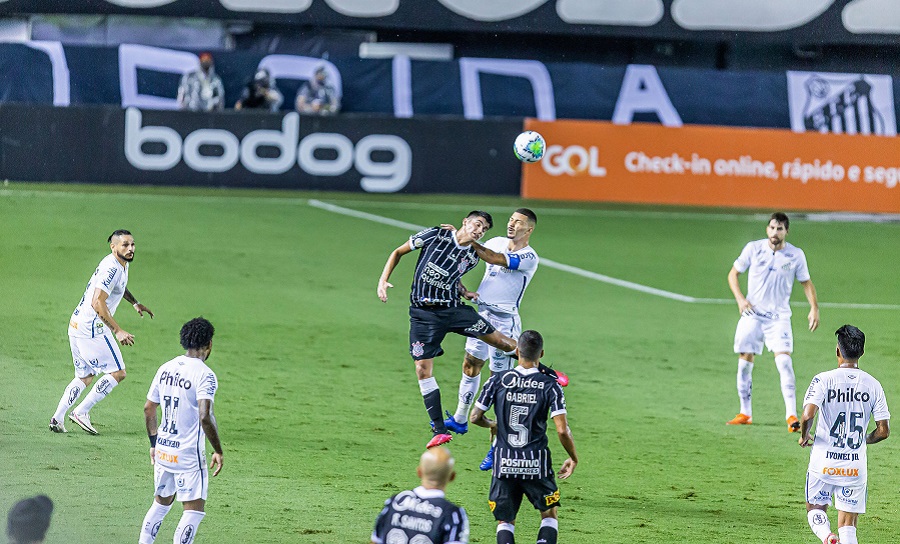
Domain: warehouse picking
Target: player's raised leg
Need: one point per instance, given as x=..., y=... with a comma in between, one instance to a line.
x=431, y=395
x=468, y=390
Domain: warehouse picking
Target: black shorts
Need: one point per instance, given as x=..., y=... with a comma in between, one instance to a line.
x=506, y=495
x=429, y=326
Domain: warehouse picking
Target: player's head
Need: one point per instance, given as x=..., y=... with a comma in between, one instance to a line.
x=436, y=468
x=530, y=346
x=521, y=224
x=206, y=61
x=477, y=223
x=121, y=242
x=777, y=228
x=29, y=519
x=196, y=335
x=850, y=343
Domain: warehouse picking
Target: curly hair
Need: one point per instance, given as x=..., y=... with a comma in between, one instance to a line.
x=197, y=333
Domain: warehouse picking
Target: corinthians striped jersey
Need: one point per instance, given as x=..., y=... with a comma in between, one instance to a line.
x=441, y=264
x=522, y=398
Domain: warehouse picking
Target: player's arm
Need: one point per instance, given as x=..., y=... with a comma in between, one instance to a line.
x=735, y=285
x=98, y=303
x=389, y=266
x=152, y=426
x=477, y=417
x=208, y=423
x=806, y=423
x=810, y=291
x=489, y=256
x=881, y=431
x=568, y=442
x=137, y=305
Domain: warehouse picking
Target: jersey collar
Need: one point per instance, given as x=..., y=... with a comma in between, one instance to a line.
x=424, y=493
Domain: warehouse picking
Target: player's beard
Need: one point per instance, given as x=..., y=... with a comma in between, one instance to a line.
x=125, y=258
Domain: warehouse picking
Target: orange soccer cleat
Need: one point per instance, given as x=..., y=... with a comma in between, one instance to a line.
x=831, y=538
x=439, y=439
x=741, y=419
x=793, y=424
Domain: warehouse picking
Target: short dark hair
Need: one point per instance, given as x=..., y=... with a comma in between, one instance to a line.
x=529, y=214
x=118, y=232
x=197, y=333
x=851, y=342
x=484, y=215
x=782, y=218
x=29, y=519
x=530, y=345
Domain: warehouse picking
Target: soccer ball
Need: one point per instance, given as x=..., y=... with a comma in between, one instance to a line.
x=529, y=146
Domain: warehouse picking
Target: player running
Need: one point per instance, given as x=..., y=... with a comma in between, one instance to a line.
x=773, y=266
x=845, y=398
x=185, y=388
x=511, y=264
x=422, y=515
x=94, y=334
x=522, y=399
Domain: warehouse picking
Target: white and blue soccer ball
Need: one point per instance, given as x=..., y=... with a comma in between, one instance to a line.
x=529, y=146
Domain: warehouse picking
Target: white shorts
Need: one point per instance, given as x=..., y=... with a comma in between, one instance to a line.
x=95, y=355
x=188, y=486
x=509, y=325
x=752, y=330
x=849, y=498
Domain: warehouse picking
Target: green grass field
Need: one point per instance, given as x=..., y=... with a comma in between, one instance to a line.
x=318, y=405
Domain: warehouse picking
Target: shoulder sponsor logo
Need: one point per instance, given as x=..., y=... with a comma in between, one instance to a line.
x=408, y=501
x=514, y=379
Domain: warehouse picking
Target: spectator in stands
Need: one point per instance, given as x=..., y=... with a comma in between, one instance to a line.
x=318, y=96
x=29, y=519
x=202, y=90
x=260, y=93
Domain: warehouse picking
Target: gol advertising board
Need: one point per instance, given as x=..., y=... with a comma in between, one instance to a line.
x=715, y=166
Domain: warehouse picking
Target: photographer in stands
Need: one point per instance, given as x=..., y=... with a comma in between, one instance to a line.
x=260, y=93
x=318, y=96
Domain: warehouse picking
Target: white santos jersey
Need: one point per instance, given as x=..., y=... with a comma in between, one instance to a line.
x=177, y=388
x=771, y=276
x=502, y=287
x=847, y=399
x=112, y=278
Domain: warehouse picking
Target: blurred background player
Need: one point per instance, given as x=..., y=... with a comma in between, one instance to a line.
x=186, y=389
x=435, y=306
x=511, y=264
x=522, y=399
x=94, y=351
x=773, y=266
x=202, y=90
x=423, y=515
x=318, y=96
x=845, y=398
x=28, y=520
x=260, y=93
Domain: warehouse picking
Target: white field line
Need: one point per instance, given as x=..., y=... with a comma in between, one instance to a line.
x=587, y=273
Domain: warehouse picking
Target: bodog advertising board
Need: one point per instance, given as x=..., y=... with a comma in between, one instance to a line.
x=715, y=166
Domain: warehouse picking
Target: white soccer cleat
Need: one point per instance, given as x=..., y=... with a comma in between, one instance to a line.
x=57, y=426
x=83, y=421
x=831, y=539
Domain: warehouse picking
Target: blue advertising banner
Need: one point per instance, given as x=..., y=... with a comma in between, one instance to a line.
x=474, y=88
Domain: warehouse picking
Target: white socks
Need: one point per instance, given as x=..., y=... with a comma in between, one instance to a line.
x=152, y=521
x=818, y=522
x=745, y=385
x=98, y=392
x=468, y=390
x=187, y=527
x=788, y=388
x=69, y=396
x=847, y=535
x=427, y=385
